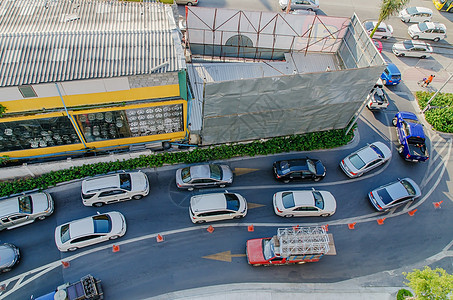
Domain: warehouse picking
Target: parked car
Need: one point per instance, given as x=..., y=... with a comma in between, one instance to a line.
x=415, y=14
x=384, y=31
x=378, y=45
x=301, y=168
x=9, y=257
x=303, y=12
x=300, y=4
x=216, y=207
x=24, y=208
x=377, y=99
x=187, y=2
x=412, y=49
x=428, y=30
x=110, y=188
x=89, y=231
x=365, y=159
x=304, y=204
x=394, y=194
x=202, y=176
x=391, y=75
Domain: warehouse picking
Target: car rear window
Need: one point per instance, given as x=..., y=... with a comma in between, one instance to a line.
x=410, y=189
x=422, y=26
x=288, y=199
x=232, y=202
x=356, y=161
x=125, y=181
x=385, y=197
x=102, y=224
x=216, y=172
x=64, y=234
x=185, y=174
x=25, y=205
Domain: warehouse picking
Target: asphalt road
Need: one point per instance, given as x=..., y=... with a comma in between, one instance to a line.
x=145, y=268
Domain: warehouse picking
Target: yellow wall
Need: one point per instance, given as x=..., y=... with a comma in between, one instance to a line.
x=33, y=104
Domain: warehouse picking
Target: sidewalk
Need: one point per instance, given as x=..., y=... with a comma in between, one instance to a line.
x=281, y=291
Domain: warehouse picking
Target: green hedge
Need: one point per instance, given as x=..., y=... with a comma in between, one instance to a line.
x=306, y=142
x=440, y=118
x=403, y=294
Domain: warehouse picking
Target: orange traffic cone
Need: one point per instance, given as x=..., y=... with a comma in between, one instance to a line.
x=351, y=225
x=65, y=264
x=380, y=221
x=437, y=204
x=210, y=229
x=326, y=227
x=159, y=238
x=115, y=248
x=412, y=212
x=250, y=228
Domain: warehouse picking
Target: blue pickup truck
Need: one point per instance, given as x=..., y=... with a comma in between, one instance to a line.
x=411, y=137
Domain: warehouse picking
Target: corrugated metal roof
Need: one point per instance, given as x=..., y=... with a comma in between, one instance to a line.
x=59, y=40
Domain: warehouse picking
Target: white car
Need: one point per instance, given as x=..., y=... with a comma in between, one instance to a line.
x=216, y=207
x=88, y=231
x=110, y=188
x=412, y=49
x=304, y=204
x=300, y=4
x=187, y=2
x=428, y=30
x=384, y=31
x=415, y=14
x=365, y=159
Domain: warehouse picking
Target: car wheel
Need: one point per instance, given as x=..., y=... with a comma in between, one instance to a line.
x=300, y=262
x=98, y=204
x=394, y=121
x=415, y=37
x=317, y=178
x=190, y=189
x=73, y=249
x=189, y=3
x=436, y=39
x=286, y=181
x=325, y=215
x=41, y=218
x=400, y=55
x=6, y=270
x=200, y=221
x=384, y=82
x=310, y=9
x=384, y=37
x=423, y=56
x=256, y=265
x=288, y=216
x=222, y=185
x=113, y=237
x=238, y=217
x=137, y=197
x=400, y=149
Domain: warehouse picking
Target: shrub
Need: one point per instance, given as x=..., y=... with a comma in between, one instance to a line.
x=306, y=142
x=441, y=116
x=403, y=293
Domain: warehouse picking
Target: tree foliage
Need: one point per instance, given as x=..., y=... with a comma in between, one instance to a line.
x=388, y=8
x=430, y=284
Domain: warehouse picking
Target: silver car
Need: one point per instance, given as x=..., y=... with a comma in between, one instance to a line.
x=9, y=257
x=304, y=203
x=21, y=209
x=412, y=49
x=365, y=159
x=394, y=194
x=300, y=4
x=216, y=207
x=203, y=176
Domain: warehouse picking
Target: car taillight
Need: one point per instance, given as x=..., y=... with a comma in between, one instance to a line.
x=178, y=184
x=278, y=209
x=371, y=193
x=342, y=161
x=353, y=173
x=407, y=156
x=378, y=206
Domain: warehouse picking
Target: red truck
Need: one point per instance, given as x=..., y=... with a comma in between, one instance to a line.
x=296, y=245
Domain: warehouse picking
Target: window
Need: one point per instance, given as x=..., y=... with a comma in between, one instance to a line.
x=356, y=161
x=84, y=238
x=216, y=172
x=319, y=201
x=232, y=202
x=288, y=199
x=27, y=91
x=125, y=181
x=102, y=224
x=25, y=205
x=64, y=234
x=15, y=218
x=185, y=174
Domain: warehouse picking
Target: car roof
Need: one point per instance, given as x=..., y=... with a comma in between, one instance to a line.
x=393, y=69
x=81, y=227
x=297, y=164
x=367, y=154
x=9, y=206
x=208, y=202
x=414, y=43
x=303, y=198
x=101, y=182
x=200, y=171
x=396, y=190
x=420, y=9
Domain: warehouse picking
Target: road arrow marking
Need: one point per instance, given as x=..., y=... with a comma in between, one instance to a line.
x=223, y=256
x=251, y=205
x=242, y=171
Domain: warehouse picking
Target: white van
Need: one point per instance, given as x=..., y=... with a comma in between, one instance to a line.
x=416, y=14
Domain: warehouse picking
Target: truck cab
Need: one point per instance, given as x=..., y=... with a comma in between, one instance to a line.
x=289, y=246
x=410, y=136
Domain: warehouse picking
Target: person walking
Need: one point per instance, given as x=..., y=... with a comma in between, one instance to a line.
x=428, y=80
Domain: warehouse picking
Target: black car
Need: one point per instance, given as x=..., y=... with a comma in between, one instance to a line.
x=303, y=168
x=9, y=256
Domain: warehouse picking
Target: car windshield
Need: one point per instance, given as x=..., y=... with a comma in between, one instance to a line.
x=369, y=25
x=385, y=196
x=377, y=150
x=411, y=10
x=64, y=234
x=216, y=172
x=311, y=166
x=408, y=45
x=232, y=202
x=125, y=181
x=268, y=249
x=25, y=204
x=356, y=161
x=288, y=199
x=185, y=174
x=319, y=201
x=409, y=188
x=422, y=26
x=412, y=121
x=102, y=224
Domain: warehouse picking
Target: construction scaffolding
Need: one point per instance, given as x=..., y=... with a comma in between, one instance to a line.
x=302, y=241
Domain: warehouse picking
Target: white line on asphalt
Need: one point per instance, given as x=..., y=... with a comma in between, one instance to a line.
x=443, y=162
